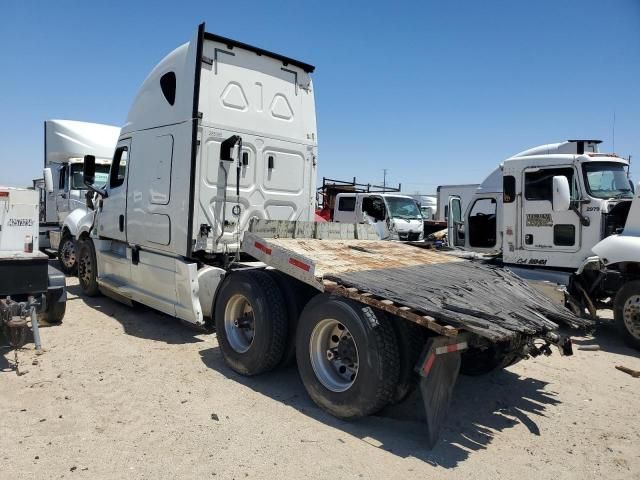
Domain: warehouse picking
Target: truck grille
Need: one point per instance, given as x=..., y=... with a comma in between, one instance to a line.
x=409, y=236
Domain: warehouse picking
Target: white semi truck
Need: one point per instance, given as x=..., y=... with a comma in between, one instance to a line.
x=64, y=205
x=29, y=286
x=206, y=216
x=562, y=212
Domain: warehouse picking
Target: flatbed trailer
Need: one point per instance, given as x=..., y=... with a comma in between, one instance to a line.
x=443, y=293
x=468, y=308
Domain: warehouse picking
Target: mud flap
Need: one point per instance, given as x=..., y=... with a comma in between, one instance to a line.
x=438, y=369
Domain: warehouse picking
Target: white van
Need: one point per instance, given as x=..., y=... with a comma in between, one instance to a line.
x=394, y=216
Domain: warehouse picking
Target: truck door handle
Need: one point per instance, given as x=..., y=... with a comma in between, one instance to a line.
x=121, y=222
x=270, y=162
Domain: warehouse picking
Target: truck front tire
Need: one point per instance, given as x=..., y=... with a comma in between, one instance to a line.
x=626, y=311
x=251, y=322
x=88, y=268
x=67, y=254
x=347, y=356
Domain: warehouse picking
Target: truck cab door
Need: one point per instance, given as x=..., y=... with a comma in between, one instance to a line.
x=111, y=222
x=482, y=225
x=455, y=223
x=543, y=229
x=374, y=212
x=62, y=193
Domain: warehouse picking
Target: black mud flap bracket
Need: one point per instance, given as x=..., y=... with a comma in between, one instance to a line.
x=438, y=368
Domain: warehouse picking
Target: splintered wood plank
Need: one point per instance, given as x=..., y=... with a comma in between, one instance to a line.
x=388, y=306
x=341, y=256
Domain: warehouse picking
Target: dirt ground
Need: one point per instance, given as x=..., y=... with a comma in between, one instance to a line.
x=129, y=393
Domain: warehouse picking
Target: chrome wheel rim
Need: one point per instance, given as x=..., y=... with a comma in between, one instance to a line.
x=631, y=315
x=334, y=355
x=68, y=253
x=85, y=269
x=239, y=323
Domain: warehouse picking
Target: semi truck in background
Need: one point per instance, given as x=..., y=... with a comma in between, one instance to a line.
x=206, y=215
x=66, y=142
x=30, y=288
x=563, y=212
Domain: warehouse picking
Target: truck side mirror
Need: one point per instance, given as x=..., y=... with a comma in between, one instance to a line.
x=89, y=170
x=561, y=194
x=227, y=147
x=89, y=175
x=48, y=180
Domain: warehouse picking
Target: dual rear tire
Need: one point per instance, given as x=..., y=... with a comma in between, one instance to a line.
x=347, y=354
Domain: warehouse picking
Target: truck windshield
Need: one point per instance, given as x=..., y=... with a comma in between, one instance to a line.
x=77, y=183
x=403, y=208
x=607, y=180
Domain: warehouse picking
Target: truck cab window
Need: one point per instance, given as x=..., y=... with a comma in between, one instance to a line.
x=374, y=207
x=539, y=185
x=63, y=177
x=509, y=188
x=607, y=180
x=119, y=167
x=482, y=223
x=347, y=204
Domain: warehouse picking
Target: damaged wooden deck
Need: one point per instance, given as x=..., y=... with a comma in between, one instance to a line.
x=438, y=291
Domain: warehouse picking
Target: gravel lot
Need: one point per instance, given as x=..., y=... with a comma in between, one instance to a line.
x=129, y=393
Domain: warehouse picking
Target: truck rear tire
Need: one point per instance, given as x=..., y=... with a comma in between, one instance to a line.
x=347, y=356
x=626, y=311
x=411, y=340
x=88, y=268
x=67, y=254
x=251, y=322
x=296, y=295
x=55, y=312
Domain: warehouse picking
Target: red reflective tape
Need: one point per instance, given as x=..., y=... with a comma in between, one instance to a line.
x=426, y=368
x=299, y=264
x=263, y=247
x=453, y=348
x=4, y=194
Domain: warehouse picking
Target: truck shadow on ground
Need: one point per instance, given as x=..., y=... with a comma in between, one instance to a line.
x=482, y=407
x=139, y=321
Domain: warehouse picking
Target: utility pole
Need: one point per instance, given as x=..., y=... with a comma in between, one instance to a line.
x=384, y=179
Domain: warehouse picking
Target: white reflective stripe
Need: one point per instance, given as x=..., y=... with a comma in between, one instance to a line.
x=451, y=348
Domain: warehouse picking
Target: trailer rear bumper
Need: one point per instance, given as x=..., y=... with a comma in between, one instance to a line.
x=24, y=275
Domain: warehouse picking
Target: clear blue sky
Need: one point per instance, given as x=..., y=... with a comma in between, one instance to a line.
x=436, y=91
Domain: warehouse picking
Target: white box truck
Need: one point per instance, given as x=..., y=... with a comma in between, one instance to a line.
x=562, y=212
x=29, y=286
x=206, y=216
x=66, y=142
